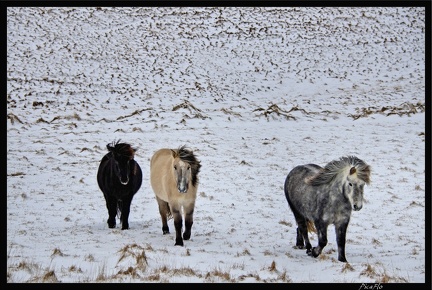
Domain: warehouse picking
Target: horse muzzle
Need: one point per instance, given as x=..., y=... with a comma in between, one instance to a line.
x=182, y=190
x=357, y=207
x=182, y=186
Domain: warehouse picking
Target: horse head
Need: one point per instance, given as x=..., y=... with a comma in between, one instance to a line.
x=122, y=154
x=353, y=189
x=186, y=168
x=182, y=173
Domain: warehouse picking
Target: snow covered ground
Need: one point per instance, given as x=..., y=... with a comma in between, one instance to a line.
x=253, y=91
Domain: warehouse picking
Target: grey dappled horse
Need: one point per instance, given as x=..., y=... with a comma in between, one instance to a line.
x=322, y=196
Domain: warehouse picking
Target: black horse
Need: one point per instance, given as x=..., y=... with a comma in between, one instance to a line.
x=119, y=177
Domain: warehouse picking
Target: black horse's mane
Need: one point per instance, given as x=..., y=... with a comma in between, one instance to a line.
x=122, y=149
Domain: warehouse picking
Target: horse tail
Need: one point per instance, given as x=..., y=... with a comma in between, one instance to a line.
x=311, y=227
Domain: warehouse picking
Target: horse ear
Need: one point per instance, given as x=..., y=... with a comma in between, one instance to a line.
x=174, y=153
x=353, y=170
x=110, y=148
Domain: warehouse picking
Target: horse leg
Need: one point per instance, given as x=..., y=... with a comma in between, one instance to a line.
x=125, y=210
x=178, y=222
x=299, y=240
x=111, y=204
x=340, y=239
x=302, y=239
x=189, y=210
x=322, y=238
x=164, y=212
x=303, y=235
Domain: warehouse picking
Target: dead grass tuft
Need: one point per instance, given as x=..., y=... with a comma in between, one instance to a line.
x=194, y=111
x=131, y=271
x=229, y=112
x=376, y=242
x=186, y=271
x=285, y=223
x=75, y=269
x=17, y=174
x=136, y=112
x=274, y=109
x=13, y=118
x=57, y=252
x=406, y=108
x=154, y=277
x=89, y=258
x=284, y=277
x=347, y=267
x=369, y=271
x=272, y=267
x=75, y=116
x=217, y=273
x=243, y=277
x=244, y=253
x=50, y=277
x=134, y=251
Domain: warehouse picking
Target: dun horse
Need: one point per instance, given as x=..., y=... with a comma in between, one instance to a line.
x=322, y=196
x=119, y=177
x=174, y=179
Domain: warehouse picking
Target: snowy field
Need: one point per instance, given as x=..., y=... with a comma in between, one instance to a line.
x=253, y=91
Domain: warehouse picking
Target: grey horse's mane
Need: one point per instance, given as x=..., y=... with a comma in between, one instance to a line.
x=336, y=168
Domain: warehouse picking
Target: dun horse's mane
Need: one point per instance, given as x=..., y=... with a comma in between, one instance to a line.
x=188, y=156
x=123, y=149
x=336, y=168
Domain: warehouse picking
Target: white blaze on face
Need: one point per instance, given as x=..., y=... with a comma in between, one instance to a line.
x=350, y=194
x=182, y=176
x=354, y=192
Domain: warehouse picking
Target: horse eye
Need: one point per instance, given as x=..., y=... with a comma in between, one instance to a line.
x=175, y=167
x=350, y=184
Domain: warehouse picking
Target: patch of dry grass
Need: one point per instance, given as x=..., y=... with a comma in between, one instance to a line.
x=405, y=108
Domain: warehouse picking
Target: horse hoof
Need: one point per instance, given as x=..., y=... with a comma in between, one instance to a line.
x=315, y=253
x=186, y=236
x=111, y=226
x=165, y=230
x=179, y=242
